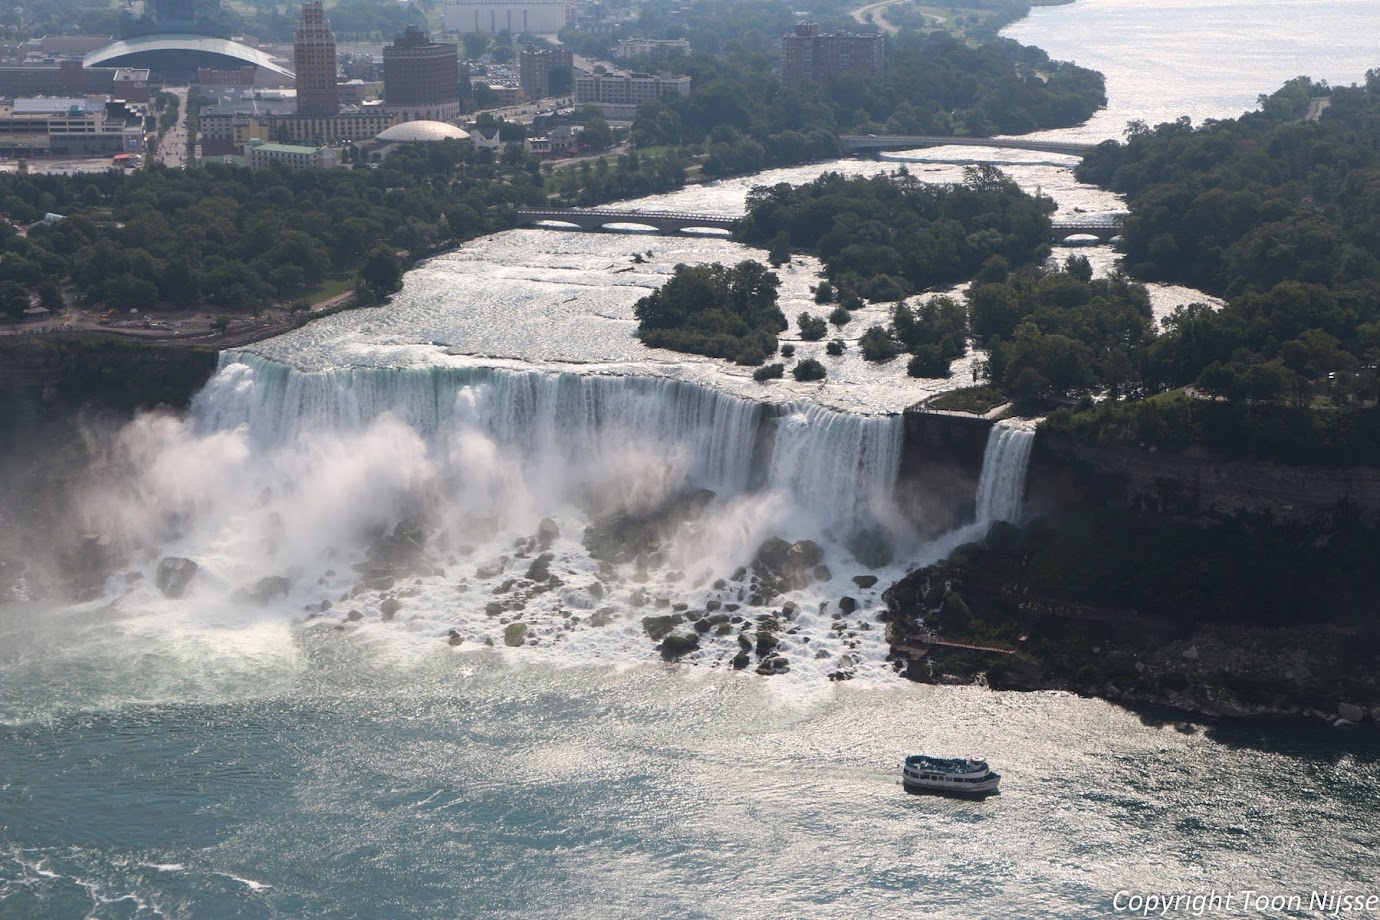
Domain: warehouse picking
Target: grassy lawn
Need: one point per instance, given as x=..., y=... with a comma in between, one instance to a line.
x=334, y=284
x=977, y=400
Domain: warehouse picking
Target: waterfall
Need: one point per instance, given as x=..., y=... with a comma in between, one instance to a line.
x=1001, y=488
x=838, y=466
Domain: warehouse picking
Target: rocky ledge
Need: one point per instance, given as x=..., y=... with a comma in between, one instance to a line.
x=971, y=619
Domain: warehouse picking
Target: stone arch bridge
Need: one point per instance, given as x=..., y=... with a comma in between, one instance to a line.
x=671, y=222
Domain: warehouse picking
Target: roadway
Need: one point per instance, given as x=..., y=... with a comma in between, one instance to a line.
x=878, y=16
x=172, y=147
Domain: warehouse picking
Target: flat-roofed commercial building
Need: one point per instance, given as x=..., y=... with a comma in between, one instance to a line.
x=493, y=17
x=69, y=78
x=261, y=156
x=229, y=129
x=618, y=95
x=70, y=127
x=633, y=47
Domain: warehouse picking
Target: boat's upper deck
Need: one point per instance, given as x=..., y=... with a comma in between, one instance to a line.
x=953, y=765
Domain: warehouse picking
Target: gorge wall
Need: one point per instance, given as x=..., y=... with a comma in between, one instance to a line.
x=1191, y=482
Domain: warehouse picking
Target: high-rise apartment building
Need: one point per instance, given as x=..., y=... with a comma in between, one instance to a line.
x=535, y=66
x=808, y=55
x=313, y=54
x=421, y=78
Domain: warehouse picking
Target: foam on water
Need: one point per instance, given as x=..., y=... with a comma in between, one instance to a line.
x=280, y=472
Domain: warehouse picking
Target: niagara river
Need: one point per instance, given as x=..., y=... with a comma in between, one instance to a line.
x=385, y=640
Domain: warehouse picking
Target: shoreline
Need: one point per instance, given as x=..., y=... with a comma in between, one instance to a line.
x=962, y=622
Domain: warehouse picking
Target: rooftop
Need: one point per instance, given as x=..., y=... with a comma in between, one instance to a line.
x=56, y=105
x=203, y=44
x=288, y=148
x=421, y=131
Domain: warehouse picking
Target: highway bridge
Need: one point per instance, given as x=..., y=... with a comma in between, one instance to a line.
x=670, y=222
x=862, y=143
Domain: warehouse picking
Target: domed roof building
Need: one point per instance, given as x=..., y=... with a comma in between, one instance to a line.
x=421, y=132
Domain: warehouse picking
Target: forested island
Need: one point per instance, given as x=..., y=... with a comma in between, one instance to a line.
x=880, y=238
x=1276, y=212
x=1205, y=532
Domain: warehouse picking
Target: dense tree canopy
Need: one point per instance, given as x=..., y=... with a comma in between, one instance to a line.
x=242, y=240
x=1275, y=210
x=714, y=310
x=886, y=236
x=933, y=84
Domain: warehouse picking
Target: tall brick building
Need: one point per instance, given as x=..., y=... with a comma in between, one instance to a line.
x=313, y=58
x=808, y=55
x=421, y=78
x=535, y=66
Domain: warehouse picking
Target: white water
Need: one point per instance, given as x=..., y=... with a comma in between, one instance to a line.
x=1001, y=488
x=280, y=472
x=505, y=384
x=572, y=430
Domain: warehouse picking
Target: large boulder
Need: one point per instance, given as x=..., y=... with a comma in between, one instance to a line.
x=766, y=640
x=659, y=627
x=622, y=536
x=678, y=644
x=270, y=588
x=514, y=634
x=399, y=554
x=540, y=569
x=773, y=664
x=783, y=566
x=174, y=574
x=1351, y=712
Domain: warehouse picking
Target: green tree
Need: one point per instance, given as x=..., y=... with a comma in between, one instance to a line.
x=14, y=299
x=381, y=271
x=877, y=344
x=809, y=369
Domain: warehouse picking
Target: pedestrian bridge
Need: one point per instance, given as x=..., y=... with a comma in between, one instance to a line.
x=593, y=219
x=861, y=143
x=1104, y=228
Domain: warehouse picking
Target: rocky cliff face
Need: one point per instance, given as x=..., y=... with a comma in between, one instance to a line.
x=103, y=371
x=940, y=465
x=1193, y=482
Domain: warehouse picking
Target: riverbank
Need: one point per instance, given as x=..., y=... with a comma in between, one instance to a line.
x=985, y=616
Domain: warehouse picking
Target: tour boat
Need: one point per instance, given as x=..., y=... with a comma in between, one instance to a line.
x=948, y=775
